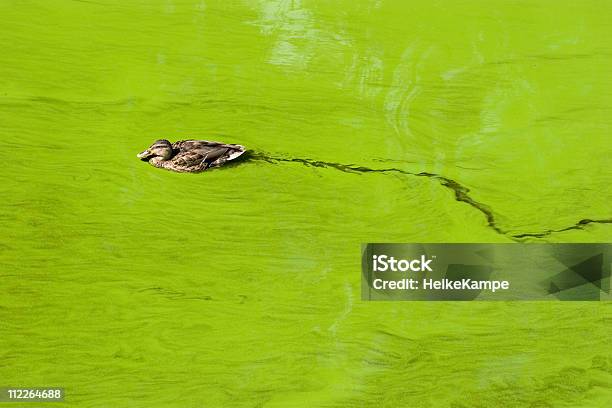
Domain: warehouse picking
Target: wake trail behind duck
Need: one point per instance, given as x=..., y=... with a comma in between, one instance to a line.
x=460, y=191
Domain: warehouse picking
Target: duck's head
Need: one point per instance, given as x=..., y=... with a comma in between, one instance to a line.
x=160, y=150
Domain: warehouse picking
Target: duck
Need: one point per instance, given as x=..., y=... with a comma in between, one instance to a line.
x=190, y=156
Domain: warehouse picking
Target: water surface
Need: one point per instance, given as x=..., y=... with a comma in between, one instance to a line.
x=135, y=287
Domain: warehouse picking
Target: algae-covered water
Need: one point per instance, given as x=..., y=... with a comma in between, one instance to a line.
x=130, y=286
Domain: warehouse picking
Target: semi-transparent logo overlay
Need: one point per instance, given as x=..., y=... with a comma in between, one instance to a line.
x=575, y=272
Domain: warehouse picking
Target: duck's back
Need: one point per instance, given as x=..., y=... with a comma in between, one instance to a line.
x=198, y=155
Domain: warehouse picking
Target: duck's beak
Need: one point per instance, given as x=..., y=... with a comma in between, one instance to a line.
x=144, y=155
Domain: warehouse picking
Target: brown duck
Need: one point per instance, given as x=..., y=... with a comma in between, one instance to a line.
x=190, y=156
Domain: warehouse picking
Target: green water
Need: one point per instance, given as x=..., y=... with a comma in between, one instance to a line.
x=135, y=287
